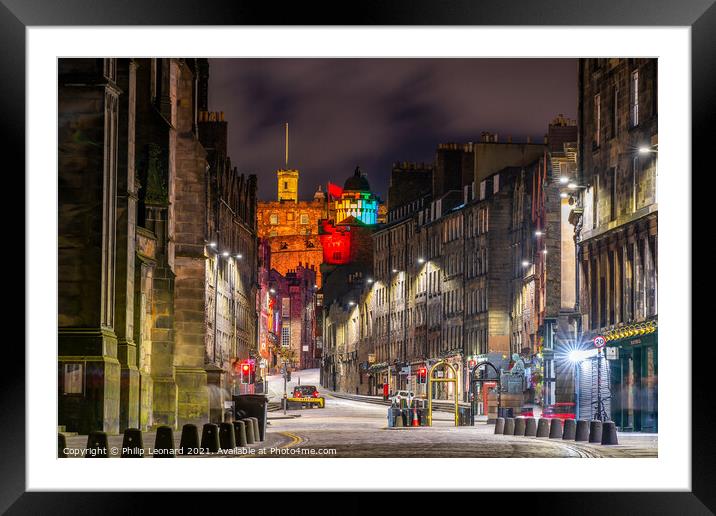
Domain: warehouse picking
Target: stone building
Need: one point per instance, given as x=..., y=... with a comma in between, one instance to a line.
x=291, y=225
x=449, y=276
x=296, y=300
x=347, y=266
x=615, y=215
x=139, y=201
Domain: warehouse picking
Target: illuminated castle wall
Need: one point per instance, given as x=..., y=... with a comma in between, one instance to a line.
x=356, y=200
x=354, y=212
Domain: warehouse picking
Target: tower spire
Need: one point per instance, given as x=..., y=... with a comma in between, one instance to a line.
x=286, y=144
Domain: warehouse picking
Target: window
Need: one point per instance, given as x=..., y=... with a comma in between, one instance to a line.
x=290, y=216
x=285, y=185
x=613, y=195
x=286, y=307
x=304, y=218
x=597, y=119
x=615, y=113
x=634, y=172
x=595, y=202
x=285, y=336
x=274, y=218
x=73, y=379
x=634, y=101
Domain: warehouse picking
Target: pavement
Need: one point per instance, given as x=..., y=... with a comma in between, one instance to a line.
x=351, y=426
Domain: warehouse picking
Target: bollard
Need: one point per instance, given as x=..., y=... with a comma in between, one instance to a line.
x=210, y=438
x=609, y=433
x=582, y=430
x=520, y=426
x=61, y=446
x=555, y=429
x=164, y=443
x=543, y=427
x=257, y=429
x=97, y=445
x=399, y=418
x=509, y=426
x=227, y=439
x=570, y=429
x=531, y=427
x=499, y=425
x=250, y=438
x=240, y=433
x=595, y=431
x=189, y=443
x=132, y=444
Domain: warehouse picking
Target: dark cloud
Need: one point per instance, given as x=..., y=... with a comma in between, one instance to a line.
x=371, y=112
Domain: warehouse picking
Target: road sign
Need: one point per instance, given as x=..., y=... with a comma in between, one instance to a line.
x=263, y=363
x=599, y=341
x=612, y=353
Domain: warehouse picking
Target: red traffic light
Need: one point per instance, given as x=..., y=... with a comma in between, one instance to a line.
x=245, y=368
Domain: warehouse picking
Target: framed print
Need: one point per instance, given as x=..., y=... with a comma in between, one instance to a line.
x=413, y=249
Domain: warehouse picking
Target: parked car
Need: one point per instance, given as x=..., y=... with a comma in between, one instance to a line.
x=305, y=391
x=306, y=396
x=527, y=412
x=564, y=410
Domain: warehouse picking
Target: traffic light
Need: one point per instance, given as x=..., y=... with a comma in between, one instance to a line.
x=247, y=371
x=422, y=375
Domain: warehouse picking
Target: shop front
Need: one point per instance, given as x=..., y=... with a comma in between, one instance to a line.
x=628, y=376
x=633, y=383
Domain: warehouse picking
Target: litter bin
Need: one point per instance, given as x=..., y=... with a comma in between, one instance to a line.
x=506, y=412
x=252, y=405
x=464, y=416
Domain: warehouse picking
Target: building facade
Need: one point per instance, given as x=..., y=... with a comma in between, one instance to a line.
x=291, y=225
x=616, y=215
x=139, y=339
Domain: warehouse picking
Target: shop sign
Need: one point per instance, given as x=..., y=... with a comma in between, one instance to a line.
x=371, y=358
x=612, y=353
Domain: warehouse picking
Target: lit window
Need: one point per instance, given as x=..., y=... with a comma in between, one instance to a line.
x=274, y=218
x=285, y=336
x=304, y=218
x=634, y=98
x=73, y=378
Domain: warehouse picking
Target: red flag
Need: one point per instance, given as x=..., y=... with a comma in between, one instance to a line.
x=334, y=191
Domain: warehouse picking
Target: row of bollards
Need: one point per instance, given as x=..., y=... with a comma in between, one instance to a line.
x=224, y=436
x=602, y=432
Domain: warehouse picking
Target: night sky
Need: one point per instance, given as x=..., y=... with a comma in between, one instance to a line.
x=372, y=112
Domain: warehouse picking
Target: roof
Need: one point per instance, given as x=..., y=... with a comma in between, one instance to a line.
x=357, y=182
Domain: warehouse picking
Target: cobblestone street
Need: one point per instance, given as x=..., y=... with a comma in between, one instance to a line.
x=350, y=428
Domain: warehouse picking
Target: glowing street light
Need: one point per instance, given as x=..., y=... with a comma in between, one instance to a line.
x=395, y=271
x=564, y=180
x=525, y=263
x=239, y=256
x=564, y=195
x=225, y=254
x=369, y=280
x=421, y=260
x=538, y=233
x=212, y=244
x=576, y=355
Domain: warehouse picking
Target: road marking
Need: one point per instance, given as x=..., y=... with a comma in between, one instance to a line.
x=294, y=440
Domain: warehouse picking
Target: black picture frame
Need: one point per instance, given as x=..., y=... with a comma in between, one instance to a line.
x=700, y=15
